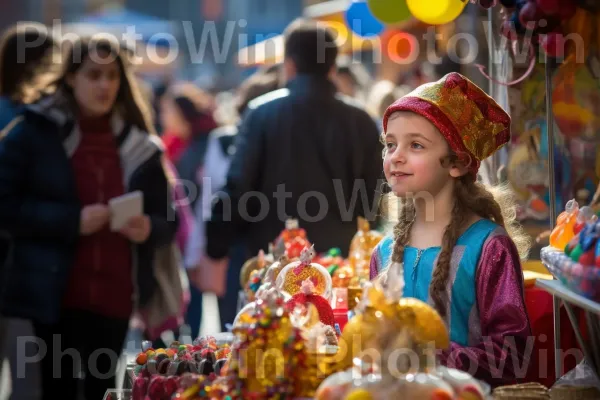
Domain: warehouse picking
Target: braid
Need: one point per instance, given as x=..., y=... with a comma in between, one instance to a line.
x=439, y=280
x=402, y=231
x=475, y=197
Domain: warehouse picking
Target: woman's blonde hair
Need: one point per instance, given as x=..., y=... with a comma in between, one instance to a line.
x=496, y=204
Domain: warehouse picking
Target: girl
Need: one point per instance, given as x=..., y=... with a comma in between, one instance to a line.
x=75, y=150
x=457, y=242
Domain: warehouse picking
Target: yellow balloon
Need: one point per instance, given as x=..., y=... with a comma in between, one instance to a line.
x=436, y=12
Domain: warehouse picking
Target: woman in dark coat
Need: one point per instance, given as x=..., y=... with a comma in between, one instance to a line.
x=73, y=276
x=24, y=72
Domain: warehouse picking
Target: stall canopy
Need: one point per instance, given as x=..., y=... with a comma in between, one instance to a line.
x=331, y=13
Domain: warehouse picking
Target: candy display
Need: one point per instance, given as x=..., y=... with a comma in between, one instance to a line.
x=291, y=277
x=577, y=263
x=361, y=248
x=160, y=372
x=565, y=224
x=293, y=239
x=386, y=323
x=268, y=355
x=307, y=295
x=254, y=264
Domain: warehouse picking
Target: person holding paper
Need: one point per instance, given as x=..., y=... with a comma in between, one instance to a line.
x=74, y=151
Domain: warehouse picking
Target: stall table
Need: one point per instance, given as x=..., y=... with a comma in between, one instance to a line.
x=562, y=295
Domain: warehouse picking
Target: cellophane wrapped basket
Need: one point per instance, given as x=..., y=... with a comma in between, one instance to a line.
x=584, y=280
x=118, y=394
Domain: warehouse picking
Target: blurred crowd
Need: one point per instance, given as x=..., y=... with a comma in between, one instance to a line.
x=77, y=134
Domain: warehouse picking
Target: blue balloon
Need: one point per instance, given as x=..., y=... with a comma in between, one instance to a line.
x=361, y=21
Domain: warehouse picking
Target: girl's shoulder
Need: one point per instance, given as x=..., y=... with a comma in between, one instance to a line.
x=481, y=231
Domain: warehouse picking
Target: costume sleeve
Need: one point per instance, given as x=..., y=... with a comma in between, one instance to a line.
x=374, y=265
x=503, y=355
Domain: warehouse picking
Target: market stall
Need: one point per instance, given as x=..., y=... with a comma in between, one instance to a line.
x=300, y=313
x=287, y=342
x=554, y=159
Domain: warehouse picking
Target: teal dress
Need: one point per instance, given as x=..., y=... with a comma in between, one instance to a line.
x=486, y=316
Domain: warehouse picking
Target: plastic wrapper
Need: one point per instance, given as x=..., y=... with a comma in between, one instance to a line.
x=584, y=280
x=118, y=394
x=335, y=387
x=582, y=376
x=289, y=281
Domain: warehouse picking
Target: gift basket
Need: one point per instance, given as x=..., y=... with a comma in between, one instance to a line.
x=340, y=277
x=389, y=350
x=573, y=256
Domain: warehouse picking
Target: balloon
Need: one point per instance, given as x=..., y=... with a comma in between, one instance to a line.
x=436, y=12
x=361, y=21
x=398, y=45
x=389, y=11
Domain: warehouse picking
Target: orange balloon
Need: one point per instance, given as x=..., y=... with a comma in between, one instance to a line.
x=398, y=45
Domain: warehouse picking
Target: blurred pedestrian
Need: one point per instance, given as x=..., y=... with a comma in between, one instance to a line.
x=24, y=72
x=89, y=142
x=186, y=114
x=295, y=142
x=220, y=150
x=187, y=119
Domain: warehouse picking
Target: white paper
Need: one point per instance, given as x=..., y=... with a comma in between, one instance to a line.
x=124, y=207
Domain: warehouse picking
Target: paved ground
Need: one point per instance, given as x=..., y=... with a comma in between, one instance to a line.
x=210, y=324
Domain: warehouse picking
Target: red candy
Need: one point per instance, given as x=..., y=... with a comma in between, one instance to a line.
x=587, y=258
x=140, y=387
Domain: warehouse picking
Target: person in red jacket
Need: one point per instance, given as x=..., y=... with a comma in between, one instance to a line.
x=89, y=142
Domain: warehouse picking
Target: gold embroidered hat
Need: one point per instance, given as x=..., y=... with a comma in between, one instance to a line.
x=472, y=122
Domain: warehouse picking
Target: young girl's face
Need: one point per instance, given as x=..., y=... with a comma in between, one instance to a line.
x=96, y=85
x=414, y=149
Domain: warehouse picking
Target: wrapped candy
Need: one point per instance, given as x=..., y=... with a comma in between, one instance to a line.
x=331, y=260
x=563, y=232
x=587, y=251
x=335, y=387
x=268, y=355
x=293, y=238
x=364, y=242
x=308, y=296
x=382, y=306
x=586, y=215
x=255, y=263
x=290, y=279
